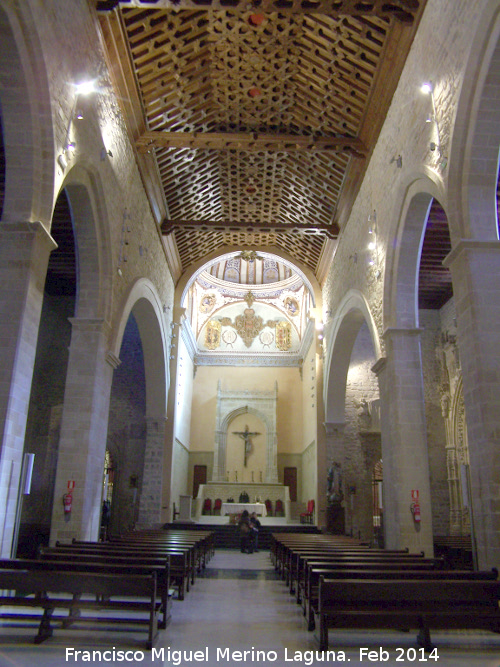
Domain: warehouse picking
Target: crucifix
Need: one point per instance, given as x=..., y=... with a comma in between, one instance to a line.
x=247, y=436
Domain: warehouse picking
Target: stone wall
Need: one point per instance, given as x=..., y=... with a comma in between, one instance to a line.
x=362, y=448
x=436, y=434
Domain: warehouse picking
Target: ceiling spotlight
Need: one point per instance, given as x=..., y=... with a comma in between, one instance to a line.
x=426, y=88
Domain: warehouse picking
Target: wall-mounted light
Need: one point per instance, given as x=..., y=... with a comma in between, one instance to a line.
x=373, y=243
x=428, y=89
x=105, y=152
x=82, y=88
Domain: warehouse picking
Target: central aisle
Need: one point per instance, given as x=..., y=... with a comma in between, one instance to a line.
x=238, y=605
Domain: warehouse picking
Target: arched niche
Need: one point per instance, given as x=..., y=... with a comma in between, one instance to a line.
x=231, y=404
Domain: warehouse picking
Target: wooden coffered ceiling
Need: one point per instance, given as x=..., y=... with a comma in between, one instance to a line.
x=253, y=121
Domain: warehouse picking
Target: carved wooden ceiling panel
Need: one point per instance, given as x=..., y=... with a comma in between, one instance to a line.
x=256, y=118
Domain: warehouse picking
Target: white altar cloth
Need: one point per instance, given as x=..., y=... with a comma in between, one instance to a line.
x=237, y=508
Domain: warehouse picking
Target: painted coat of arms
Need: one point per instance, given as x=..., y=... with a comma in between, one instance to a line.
x=212, y=335
x=283, y=336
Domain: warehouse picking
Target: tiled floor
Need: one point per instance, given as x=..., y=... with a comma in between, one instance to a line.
x=240, y=605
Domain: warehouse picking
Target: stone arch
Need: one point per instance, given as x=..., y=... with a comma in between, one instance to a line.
x=341, y=334
x=143, y=301
x=474, y=156
x=25, y=102
x=93, y=245
x=403, y=259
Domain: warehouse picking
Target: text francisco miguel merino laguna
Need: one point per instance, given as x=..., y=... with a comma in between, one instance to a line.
x=227, y=655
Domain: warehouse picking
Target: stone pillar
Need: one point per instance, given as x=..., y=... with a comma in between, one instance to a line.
x=150, y=501
x=404, y=442
x=84, y=426
x=24, y=255
x=334, y=442
x=475, y=269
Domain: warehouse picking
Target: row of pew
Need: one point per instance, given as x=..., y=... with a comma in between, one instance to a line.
x=130, y=580
x=343, y=584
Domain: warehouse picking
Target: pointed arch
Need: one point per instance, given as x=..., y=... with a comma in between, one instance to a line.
x=25, y=103
x=144, y=302
x=474, y=155
x=403, y=258
x=340, y=334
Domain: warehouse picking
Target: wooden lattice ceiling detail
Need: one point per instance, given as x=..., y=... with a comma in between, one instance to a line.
x=434, y=282
x=261, y=119
x=402, y=10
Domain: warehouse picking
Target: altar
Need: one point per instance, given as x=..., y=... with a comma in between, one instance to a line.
x=237, y=508
x=226, y=492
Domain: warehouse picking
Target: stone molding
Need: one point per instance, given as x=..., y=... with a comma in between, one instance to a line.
x=465, y=245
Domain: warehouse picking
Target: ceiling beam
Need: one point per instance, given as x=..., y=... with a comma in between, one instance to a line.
x=401, y=10
x=249, y=142
x=170, y=226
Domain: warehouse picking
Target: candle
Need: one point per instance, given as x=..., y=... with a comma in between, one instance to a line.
x=235, y=475
x=252, y=475
x=261, y=476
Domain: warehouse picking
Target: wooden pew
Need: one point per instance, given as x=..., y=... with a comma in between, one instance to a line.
x=146, y=567
x=139, y=547
x=403, y=603
x=399, y=571
x=456, y=549
x=93, y=592
x=178, y=562
x=298, y=555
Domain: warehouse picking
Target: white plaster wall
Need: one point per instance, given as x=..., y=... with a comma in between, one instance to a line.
x=180, y=463
x=289, y=407
x=184, y=394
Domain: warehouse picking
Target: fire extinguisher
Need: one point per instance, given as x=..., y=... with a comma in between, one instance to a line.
x=67, y=500
x=415, y=509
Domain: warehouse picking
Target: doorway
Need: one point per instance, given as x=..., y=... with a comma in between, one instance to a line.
x=199, y=477
x=290, y=480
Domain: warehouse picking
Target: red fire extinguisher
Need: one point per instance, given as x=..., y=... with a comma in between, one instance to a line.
x=415, y=509
x=67, y=501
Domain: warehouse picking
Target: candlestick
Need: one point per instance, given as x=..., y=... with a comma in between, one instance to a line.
x=260, y=476
x=235, y=475
x=252, y=475
x=227, y=478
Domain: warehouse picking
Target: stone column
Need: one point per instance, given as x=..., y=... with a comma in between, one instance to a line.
x=24, y=255
x=404, y=442
x=151, y=487
x=82, y=445
x=475, y=269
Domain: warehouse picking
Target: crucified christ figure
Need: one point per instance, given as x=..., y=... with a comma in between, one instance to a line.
x=247, y=436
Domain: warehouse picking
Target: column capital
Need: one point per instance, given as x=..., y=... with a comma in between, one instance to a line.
x=468, y=245
x=35, y=228
x=379, y=366
x=113, y=360
x=90, y=324
x=401, y=331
